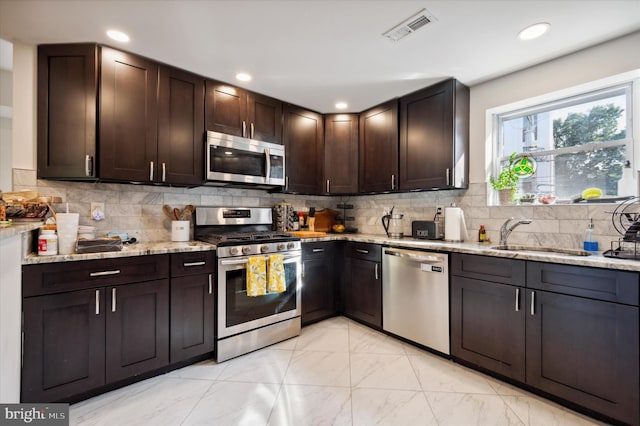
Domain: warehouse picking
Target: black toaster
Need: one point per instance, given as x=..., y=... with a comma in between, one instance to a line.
x=427, y=229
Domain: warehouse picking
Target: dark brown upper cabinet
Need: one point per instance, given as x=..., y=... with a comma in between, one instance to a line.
x=67, y=94
x=128, y=117
x=378, y=159
x=434, y=137
x=303, y=140
x=180, y=127
x=237, y=112
x=341, y=153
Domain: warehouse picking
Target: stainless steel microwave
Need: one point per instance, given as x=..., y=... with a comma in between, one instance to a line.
x=237, y=159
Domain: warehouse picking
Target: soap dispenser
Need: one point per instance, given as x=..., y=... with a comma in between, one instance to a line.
x=589, y=244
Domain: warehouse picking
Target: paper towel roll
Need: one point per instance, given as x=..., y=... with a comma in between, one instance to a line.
x=454, y=226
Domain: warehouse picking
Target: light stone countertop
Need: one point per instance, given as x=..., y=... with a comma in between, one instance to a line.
x=162, y=247
x=18, y=228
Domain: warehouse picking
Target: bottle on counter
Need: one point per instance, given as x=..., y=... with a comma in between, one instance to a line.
x=589, y=244
x=482, y=234
x=301, y=220
x=295, y=224
x=47, y=243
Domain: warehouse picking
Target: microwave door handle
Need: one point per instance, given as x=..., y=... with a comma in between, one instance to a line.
x=268, y=165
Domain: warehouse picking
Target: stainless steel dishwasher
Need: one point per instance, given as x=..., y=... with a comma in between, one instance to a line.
x=415, y=296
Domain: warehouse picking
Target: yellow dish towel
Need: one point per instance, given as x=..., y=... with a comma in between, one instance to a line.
x=276, y=274
x=256, y=276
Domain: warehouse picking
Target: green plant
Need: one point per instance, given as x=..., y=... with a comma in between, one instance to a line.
x=507, y=179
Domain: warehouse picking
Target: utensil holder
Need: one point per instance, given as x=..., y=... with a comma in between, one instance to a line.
x=180, y=230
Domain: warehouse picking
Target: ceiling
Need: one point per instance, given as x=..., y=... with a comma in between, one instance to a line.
x=314, y=53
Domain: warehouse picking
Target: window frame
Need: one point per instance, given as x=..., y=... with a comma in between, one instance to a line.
x=626, y=83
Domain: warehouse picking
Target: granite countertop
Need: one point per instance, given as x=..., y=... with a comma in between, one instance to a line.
x=161, y=247
x=18, y=228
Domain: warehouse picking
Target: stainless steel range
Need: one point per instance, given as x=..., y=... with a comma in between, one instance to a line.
x=245, y=323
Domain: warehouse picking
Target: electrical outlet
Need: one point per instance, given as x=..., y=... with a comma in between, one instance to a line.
x=440, y=210
x=97, y=211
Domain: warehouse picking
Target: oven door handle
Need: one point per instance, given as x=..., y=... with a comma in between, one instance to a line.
x=245, y=260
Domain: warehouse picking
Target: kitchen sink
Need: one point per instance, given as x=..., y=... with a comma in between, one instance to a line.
x=554, y=250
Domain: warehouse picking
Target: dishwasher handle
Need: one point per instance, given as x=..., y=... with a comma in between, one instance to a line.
x=413, y=256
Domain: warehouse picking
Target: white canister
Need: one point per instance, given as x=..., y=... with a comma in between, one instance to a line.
x=47, y=243
x=180, y=230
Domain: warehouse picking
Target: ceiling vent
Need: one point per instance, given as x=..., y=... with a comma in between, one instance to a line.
x=411, y=25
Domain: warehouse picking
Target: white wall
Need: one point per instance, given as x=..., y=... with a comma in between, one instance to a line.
x=24, y=106
x=604, y=60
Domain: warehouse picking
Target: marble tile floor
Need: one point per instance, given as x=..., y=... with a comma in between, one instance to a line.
x=337, y=372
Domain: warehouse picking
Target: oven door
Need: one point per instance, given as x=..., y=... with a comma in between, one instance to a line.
x=238, y=312
x=233, y=159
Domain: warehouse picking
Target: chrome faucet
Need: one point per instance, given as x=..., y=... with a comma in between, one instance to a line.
x=505, y=229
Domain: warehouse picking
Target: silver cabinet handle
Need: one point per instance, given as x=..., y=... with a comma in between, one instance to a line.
x=88, y=165
x=393, y=181
x=376, y=271
x=286, y=183
x=252, y=130
x=103, y=273
x=244, y=129
x=448, y=176
x=164, y=172
x=317, y=250
x=302, y=271
x=267, y=158
x=188, y=264
x=113, y=299
x=97, y=302
x=517, y=299
x=362, y=251
x=328, y=190
x=150, y=170
x=210, y=285
x=533, y=303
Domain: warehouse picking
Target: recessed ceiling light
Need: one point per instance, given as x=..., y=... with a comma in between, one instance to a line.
x=341, y=105
x=243, y=76
x=534, y=31
x=118, y=36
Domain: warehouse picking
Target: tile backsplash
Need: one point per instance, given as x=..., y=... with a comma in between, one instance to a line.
x=137, y=209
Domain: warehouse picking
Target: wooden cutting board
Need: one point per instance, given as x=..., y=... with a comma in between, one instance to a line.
x=307, y=234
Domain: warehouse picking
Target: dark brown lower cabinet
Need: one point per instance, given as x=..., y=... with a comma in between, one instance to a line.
x=362, y=287
x=137, y=329
x=192, y=316
x=64, y=345
x=487, y=324
x=585, y=351
x=318, y=281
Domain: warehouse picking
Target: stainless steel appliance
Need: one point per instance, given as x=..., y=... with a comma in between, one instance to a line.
x=427, y=229
x=245, y=323
x=246, y=161
x=415, y=296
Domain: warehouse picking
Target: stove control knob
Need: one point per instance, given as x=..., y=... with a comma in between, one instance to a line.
x=281, y=246
x=246, y=250
x=264, y=248
x=233, y=251
x=291, y=246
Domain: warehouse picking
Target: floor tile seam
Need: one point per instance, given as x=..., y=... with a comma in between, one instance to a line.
x=350, y=373
x=275, y=403
x=257, y=382
x=524, y=421
x=197, y=402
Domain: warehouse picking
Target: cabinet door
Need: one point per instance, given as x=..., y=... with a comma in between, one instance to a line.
x=341, y=153
x=488, y=325
x=363, y=292
x=137, y=329
x=225, y=109
x=303, y=139
x=585, y=351
x=64, y=344
x=264, y=118
x=128, y=117
x=180, y=127
x=378, y=159
x=192, y=316
x=434, y=137
x=318, y=282
x=67, y=94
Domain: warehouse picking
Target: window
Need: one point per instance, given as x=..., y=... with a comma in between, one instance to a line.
x=576, y=142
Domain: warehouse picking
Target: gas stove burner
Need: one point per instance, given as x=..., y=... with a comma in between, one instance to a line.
x=246, y=237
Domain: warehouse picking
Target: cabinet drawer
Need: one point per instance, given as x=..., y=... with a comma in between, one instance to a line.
x=487, y=268
x=595, y=283
x=365, y=251
x=66, y=276
x=317, y=249
x=201, y=262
